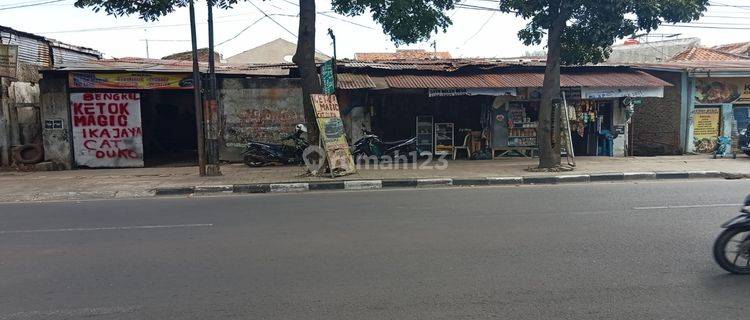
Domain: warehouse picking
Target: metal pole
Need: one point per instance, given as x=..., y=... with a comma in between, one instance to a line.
x=211, y=109
x=335, y=73
x=197, y=96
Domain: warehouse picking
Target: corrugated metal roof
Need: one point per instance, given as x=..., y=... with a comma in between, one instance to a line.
x=158, y=65
x=350, y=81
x=524, y=79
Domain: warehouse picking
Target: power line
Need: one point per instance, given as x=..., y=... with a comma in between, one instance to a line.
x=241, y=31
x=481, y=28
x=272, y=19
x=718, y=4
x=325, y=14
x=704, y=27
x=30, y=5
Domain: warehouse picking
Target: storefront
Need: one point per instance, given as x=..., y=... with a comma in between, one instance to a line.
x=721, y=108
x=102, y=119
x=497, y=114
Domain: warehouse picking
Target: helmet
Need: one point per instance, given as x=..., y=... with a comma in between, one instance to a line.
x=300, y=128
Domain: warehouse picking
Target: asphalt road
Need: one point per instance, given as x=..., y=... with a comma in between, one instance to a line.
x=588, y=251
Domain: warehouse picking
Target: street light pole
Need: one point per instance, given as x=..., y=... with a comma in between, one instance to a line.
x=212, y=105
x=197, y=96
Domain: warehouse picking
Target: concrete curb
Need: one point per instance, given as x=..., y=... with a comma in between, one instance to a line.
x=292, y=187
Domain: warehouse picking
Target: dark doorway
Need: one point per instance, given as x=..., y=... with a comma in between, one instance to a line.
x=169, y=133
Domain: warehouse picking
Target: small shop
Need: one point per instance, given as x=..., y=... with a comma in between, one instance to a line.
x=492, y=115
x=119, y=119
x=721, y=108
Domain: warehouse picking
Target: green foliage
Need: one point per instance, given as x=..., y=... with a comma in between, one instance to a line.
x=405, y=21
x=591, y=26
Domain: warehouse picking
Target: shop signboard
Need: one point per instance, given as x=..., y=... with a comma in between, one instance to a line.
x=455, y=92
x=332, y=135
x=8, y=60
x=326, y=74
x=706, y=129
x=131, y=80
x=612, y=93
x=107, y=130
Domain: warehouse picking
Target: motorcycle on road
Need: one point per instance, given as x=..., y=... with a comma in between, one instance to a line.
x=259, y=154
x=732, y=247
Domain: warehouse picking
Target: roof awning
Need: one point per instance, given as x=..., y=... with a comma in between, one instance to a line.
x=525, y=79
x=351, y=81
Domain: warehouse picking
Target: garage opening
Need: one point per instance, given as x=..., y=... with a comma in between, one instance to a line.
x=169, y=133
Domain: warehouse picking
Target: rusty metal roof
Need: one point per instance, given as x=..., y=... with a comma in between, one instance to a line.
x=350, y=81
x=525, y=79
x=172, y=66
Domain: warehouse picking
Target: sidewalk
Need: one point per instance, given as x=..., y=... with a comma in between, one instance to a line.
x=129, y=183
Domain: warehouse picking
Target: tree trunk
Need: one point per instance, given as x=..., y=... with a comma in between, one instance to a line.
x=304, y=58
x=549, y=126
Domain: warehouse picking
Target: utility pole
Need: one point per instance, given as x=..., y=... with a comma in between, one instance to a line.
x=212, y=105
x=197, y=96
x=145, y=32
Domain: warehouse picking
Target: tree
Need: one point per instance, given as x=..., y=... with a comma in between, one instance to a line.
x=580, y=32
x=405, y=21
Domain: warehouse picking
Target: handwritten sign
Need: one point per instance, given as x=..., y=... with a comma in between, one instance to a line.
x=107, y=130
x=332, y=135
x=706, y=129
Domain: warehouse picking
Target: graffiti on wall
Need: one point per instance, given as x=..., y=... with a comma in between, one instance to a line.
x=262, y=124
x=264, y=110
x=107, y=129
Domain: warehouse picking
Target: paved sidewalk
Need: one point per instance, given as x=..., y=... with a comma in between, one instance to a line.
x=129, y=183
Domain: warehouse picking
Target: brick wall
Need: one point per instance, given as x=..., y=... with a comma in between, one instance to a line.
x=655, y=126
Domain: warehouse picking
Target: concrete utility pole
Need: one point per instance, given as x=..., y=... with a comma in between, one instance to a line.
x=212, y=105
x=197, y=96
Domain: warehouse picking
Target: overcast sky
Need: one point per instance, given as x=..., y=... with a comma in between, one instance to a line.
x=475, y=33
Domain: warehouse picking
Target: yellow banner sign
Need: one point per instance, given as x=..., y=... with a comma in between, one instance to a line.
x=332, y=135
x=706, y=124
x=131, y=80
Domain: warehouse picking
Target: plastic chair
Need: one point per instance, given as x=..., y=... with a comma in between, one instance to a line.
x=465, y=147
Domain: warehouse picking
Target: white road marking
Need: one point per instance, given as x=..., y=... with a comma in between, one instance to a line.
x=197, y=225
x=70, y=313
x=690, y=206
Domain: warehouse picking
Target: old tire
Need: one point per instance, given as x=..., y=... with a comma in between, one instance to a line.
x=28, y=154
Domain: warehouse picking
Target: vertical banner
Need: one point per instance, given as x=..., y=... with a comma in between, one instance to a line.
x=326, y=74
x=332, y=135
x=706, y=129
x=107, y=130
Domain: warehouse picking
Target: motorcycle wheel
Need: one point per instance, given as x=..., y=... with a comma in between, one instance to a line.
x=732, y=250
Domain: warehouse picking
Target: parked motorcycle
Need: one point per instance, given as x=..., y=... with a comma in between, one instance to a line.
x=744, y=140
x=732, y=247
x=371, y=145
x=259, y=154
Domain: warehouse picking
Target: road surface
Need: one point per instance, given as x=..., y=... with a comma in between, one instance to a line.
x=584, y=251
